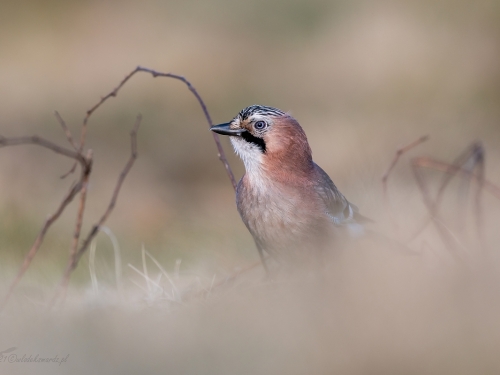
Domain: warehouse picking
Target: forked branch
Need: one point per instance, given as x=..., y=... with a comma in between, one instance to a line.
x=399, y=152
x=77, y=254
x=85, y=160
x=86, y=166
x=470, y=165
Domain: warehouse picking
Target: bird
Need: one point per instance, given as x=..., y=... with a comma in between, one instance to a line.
x=289, y=204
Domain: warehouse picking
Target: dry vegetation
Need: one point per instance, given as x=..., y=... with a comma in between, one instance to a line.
x=169, y=285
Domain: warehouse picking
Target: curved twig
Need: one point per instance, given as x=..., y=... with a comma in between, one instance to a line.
x=154, y=73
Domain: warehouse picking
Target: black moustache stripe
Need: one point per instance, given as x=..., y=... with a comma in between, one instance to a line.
x=259, y=142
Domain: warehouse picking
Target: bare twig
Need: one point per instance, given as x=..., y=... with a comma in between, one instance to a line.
x=39, y=141
x=67, y=132
x=399, y=153
x=81, y=184
x=443, y=231
x=39, y=239
x=465, y=164
x=154, y=73
x=73, y=191
x=475, y=153
x=74, y=258
x=430, y=163
x=479, y=160
x=221, y=155
x=81, y=208
x=385, y=177
x=470, y=160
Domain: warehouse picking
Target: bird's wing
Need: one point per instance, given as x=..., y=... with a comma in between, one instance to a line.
x=339, y=209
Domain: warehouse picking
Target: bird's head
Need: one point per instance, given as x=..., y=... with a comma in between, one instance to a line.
x=266, y=136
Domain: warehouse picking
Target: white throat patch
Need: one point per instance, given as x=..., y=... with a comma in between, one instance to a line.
x=250, y=154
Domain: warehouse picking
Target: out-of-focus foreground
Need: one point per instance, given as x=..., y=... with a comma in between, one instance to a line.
x=362, y=78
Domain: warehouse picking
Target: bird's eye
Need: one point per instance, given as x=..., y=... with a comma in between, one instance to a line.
x=259, y=125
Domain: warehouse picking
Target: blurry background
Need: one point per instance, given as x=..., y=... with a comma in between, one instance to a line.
x=362, y=77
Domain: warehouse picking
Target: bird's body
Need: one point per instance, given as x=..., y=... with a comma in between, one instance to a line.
x=281, y=213
x=288, y=203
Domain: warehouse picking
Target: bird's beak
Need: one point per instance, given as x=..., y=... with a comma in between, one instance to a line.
x=224, y=129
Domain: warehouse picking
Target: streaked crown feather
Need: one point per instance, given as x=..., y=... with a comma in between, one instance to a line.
x=259, y=110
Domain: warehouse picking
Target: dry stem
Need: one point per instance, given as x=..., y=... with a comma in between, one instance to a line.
x=73, y=191
x=385, y=177
x=469, y=164
x=81, y=185
x=154, y=73
x=77, y=254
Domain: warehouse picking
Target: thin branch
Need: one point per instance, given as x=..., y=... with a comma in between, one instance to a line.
x=66, y=130
x=74, y=259
x=385, y=177
x=73, y=191
x=430, y=163
x=39, y=141
x=399, y=153
x=469, y=160
x=443, y=231
x=154, y=73
x=479, y=159
x=221, y=155
x=475, y=154
x=470, y=153
x=81, y=185
x=124, y=173
x=89, y=113
x=81, y=207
